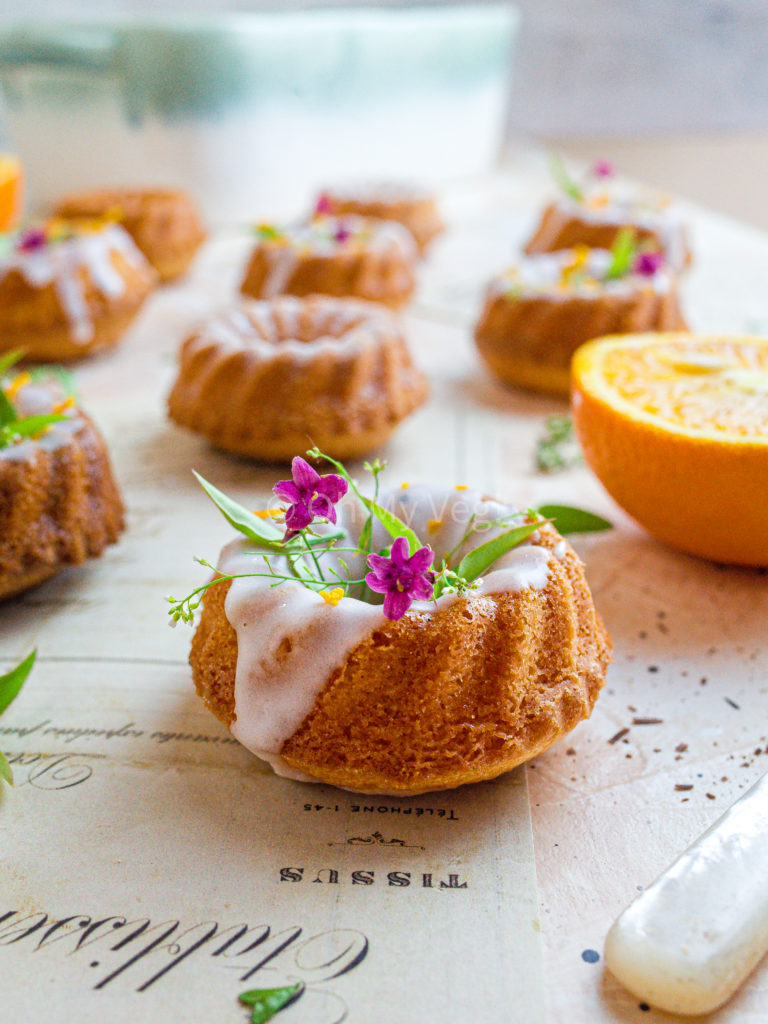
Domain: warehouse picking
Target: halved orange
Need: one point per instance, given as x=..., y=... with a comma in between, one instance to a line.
x=675, y=426
x=11, y=191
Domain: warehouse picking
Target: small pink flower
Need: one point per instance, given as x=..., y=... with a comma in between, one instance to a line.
x=603, y=169
x=648, y=263
x=401, y=579
x=342, y=233
x=32, y=240
x=323, y=205
x=310, y=496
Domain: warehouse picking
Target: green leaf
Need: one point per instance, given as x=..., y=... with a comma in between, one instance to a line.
x=12, y=681
x=564, y=180
x=481, y=558
x=8, y=413
x=27, y=427
x=568, y=519
x=5, y=769
x=394, y=526
x=623, y=252
x=267, y=1001
x=10, y=359
x=246, y=522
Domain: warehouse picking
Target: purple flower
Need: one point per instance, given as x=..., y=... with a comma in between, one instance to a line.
x=31, y=240
x=402, y=579
x=309, y=495
x=322, y=206
x=603, y=169
x=648, y=263
x=342, y=233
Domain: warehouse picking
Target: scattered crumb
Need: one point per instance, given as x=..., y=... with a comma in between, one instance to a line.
x=619, y=735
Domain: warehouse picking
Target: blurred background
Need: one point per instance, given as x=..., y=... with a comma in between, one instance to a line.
x=674, y=91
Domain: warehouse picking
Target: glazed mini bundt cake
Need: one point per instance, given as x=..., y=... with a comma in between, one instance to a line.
x=459, y=689
x=68, y=290
x=343, y=256
x=594, y=212
x=413, y=207
x=164, y=223
x=59, y=503
x=267, y=378
x=539, y=312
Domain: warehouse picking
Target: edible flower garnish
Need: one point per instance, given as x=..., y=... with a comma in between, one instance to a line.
x=342, y=233
x=602, y=169
x=648, y=263
x=333, y=565
x=322, y=206
x=310, y=495
x=268, y=232
x=400, y=578
x=623, y=253
x=557, y=448
x=266, y=1002
x=31, y=240
x=10, y=685
x=15, y=427
x=566, y=183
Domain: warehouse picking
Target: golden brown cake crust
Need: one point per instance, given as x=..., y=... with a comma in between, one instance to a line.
x=562, y=228
x=376, y=268
x=528, y=340
x=34, y=319
x=57, y=508
x=436, y=701
x=164, y=223
x=261, y=399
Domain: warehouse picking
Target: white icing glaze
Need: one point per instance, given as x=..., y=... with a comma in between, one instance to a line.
x=267, y=329
x=278, y=682
x=541, y=273
x=38, y=400
x=60, y=263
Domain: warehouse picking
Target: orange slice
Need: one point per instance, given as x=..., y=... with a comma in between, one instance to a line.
x=675, y=426
x=11, y=191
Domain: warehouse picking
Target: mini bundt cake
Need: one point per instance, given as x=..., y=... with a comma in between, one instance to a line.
x=409, y=205
x=594, y=213
x=59, y=503
x=454, y=690
x=538, y=313
x=164, y=223
x=343, y=256
x=268, y=378
x=67, y=290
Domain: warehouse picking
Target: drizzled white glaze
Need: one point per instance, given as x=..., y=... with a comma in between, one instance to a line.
x=317, y=237
x=541, y=274
x=634, y=207
x=37, y=400
x=266, y=329
x=290, y=641
x=60, y=263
